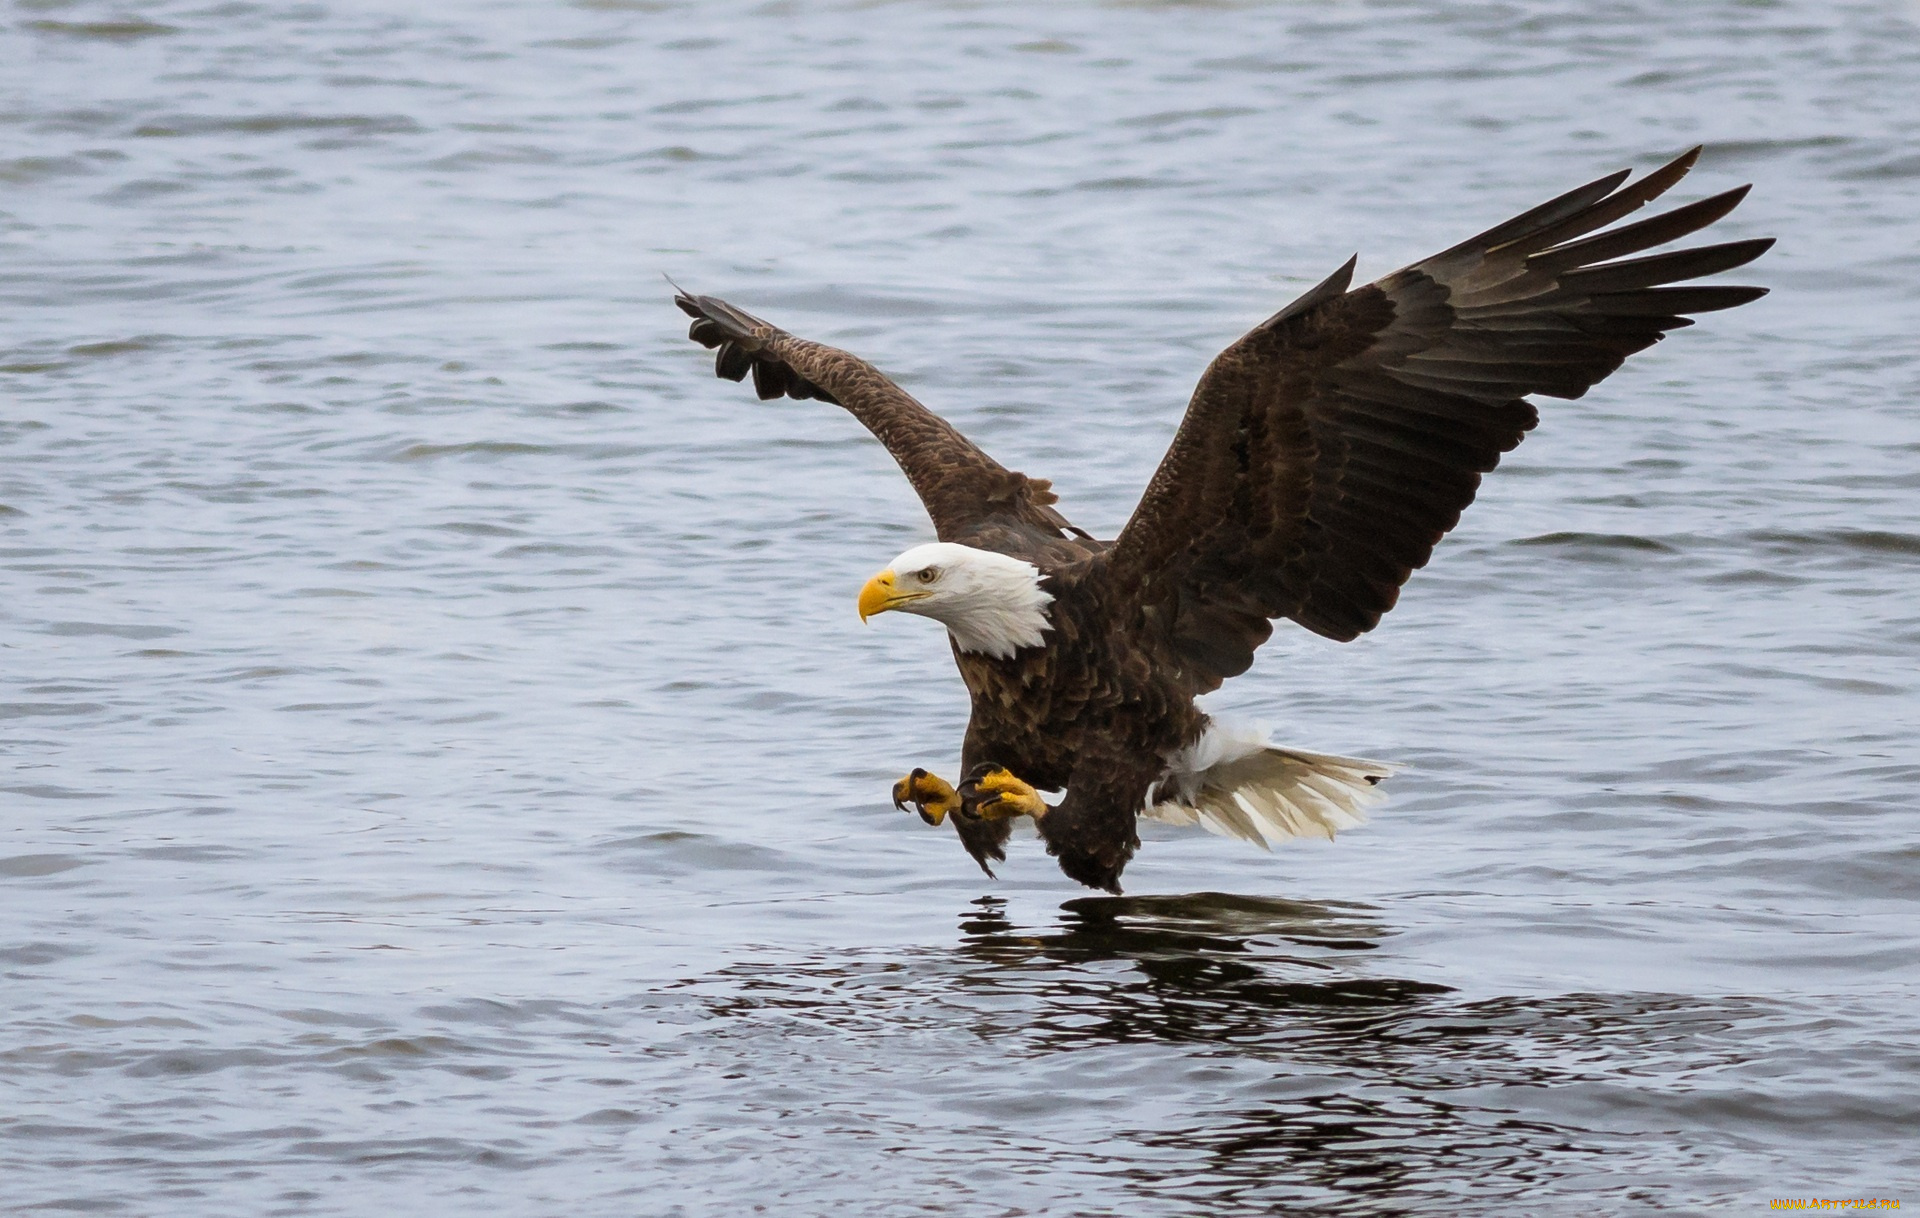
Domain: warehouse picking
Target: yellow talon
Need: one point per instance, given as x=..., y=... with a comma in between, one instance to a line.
x=929, y=793
x=992, y=792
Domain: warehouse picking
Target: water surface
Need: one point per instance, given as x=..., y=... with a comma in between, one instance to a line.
x=443, y=766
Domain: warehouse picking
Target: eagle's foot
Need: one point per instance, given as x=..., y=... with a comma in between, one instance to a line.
x=930, y=795
x=991, y=792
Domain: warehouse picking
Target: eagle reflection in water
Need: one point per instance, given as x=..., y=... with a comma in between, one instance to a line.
x=1308, y=1081
x=1211, y=967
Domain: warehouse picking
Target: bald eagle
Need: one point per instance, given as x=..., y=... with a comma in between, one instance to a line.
x=1322, y=457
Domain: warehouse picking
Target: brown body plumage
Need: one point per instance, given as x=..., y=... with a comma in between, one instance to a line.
x=1322, y=457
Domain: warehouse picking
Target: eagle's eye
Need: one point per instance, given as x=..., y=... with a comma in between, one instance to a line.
x=928, y=574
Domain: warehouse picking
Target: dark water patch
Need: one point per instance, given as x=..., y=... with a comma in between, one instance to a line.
x=560, y=550
x=126, y=346
x=1117, y=185
x=487, y=158
x=29, y=866
x=137, y=1021
x=274, y=124
x=50, y=791
x=681, y=154
x=25, y=710
x=75, y=630
x=1714, y=769
x=1731, y=153
x=476, y=528
x=192, y=854
x=83, y=1205
x=1597, y=545
x=1761, y=676
x=1906, y=481
x=129, y=30
x=324, y=593
x=679, y=852
x=1259, y=64
x=44, y=1129
x=509, y=1014
x=260, y=672
x=144, y=190
x=402, y=1048
x=329, y=1018
x=1168, y=118
x=188, y=1063
x=28, y=170
x=31, y=954
x=344, y=359
x=1892, y=169
x=699, y=105
x=598, y=42
x=1756, y=578
x=1474, y=73
x=390, y=1152
x=1835, y=541
x=615, y=1117
x=167, y=1140
x=474, y=448
x=883, y=177
x=177, y=551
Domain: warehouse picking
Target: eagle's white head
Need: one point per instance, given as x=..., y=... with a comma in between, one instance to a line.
x=989, y=602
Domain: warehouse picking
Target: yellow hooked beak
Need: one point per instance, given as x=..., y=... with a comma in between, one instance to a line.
x=880, y=595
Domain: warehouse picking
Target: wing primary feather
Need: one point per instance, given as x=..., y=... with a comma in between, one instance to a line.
x=1623, y=202
x=969, y=496
x=1656, y=269
x=1553, y=211
x=771, y=380
x=1333, y=285
x=1632, y=238
x=731, y=363
x=1675, y=302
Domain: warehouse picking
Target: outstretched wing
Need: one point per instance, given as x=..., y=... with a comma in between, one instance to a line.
x=1325, y=453
x=971, y=497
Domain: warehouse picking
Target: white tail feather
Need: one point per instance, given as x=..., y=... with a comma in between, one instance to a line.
x=1234, y=782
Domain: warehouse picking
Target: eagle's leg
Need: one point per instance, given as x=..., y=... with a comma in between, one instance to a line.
x=991, y=792
x=932, y=798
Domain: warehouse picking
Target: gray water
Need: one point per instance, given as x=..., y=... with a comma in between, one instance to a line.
x=444, y=769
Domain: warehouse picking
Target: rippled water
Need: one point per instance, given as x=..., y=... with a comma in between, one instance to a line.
x=444, y=767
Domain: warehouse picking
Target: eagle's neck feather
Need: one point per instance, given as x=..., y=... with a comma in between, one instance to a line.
x=1002, y=610
x=1002, y=628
